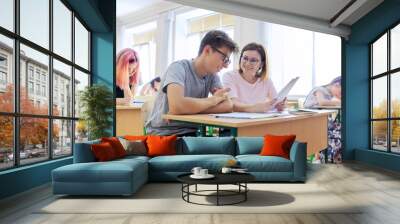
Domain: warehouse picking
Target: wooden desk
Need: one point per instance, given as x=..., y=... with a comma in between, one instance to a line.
x=129, y=120
x=310, y=128
x=337, y=109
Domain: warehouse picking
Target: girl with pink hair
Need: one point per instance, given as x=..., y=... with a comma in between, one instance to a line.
x=127, y=73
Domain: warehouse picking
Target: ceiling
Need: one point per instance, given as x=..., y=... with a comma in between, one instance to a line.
x=127, y=7
x=129, y=11
x=318, y=9
x=327, y=16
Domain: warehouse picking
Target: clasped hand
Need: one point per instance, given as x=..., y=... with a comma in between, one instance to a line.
x=221, y=94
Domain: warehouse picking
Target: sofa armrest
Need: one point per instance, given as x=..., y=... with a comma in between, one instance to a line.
x=83, y=152
x=298, y=155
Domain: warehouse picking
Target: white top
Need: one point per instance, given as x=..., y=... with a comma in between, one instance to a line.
x=246, y=92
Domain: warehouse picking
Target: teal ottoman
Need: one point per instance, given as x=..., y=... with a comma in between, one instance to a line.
x=119, y=177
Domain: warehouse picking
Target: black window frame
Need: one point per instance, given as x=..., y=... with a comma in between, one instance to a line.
x=388, y=74
x=16, y=115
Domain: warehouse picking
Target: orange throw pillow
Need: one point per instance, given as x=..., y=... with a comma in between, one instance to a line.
x=277, y=145
x=103, y=152
x=116, y=145
x=161, y=145
x=136, y=137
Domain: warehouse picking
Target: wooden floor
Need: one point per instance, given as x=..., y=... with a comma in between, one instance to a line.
x=377, y=188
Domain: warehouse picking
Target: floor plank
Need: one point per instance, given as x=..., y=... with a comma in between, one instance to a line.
x=376, y=189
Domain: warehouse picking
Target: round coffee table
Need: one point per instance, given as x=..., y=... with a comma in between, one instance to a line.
x=238, y=179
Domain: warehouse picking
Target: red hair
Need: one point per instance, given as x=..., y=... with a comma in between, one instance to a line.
x=124, y=58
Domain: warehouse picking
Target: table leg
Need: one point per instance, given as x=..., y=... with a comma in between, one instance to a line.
x=217, y=194
x=202, y=129
x=188, y=192
x=245, y=193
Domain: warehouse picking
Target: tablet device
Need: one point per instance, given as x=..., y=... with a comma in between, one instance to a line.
x=285, y=91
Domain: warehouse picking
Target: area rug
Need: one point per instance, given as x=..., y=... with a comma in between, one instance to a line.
x=167, y=198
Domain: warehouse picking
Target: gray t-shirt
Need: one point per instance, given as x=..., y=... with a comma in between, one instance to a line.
x=311, y=100
x=181, y=73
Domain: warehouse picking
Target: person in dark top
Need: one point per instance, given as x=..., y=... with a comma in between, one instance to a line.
x=128, y=73
x=151, y=88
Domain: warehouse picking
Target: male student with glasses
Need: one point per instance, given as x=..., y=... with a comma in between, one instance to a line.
x=186, y=85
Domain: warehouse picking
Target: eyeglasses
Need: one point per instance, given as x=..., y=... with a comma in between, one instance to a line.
x=251, y=61
x=226, y=59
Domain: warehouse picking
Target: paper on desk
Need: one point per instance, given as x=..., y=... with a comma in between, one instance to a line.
x=303, y=112
x=243, y=115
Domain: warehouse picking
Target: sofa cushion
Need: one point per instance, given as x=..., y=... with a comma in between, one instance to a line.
x=249, y=145
x=185, y=163
x=136, y=137
x=161, y=145
x=257, y=163
x=103, y=152
x=132, y=157
x=97, y=172
x=136, y=147
x=275, y=145
x=208, y=145
x=116, y=145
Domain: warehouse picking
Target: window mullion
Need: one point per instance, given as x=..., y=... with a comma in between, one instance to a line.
x=50, y=81
x=389, y=101
x=73, y=81
x=16, y=83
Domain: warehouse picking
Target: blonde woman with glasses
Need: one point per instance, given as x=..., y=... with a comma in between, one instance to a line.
x=251, y=89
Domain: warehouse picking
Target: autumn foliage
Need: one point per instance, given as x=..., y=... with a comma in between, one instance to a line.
x=380, y=128
x=33, y=130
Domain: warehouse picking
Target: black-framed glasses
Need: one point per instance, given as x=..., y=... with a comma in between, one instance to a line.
x=226, y=59
x=252, y=61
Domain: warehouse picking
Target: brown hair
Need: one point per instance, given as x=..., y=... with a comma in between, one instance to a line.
x=217, y=39
x=263, y=74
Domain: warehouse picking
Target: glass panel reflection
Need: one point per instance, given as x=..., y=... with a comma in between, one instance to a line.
x=379, y=135
x=35, y=21
x=34, y=96
x=62, y=138
x=62, y=89
x=6, y=142
x=379, y=98
x=379, y=55
x=395, y=47
x=6, y=74
x=395, y=95
x=81, y=81
x=81, y=131
x=62, y=29
x=81, y=45
x=33, y=140
x=7, y=14
x=395, y=136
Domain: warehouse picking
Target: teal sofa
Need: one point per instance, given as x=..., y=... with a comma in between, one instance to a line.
x=125, y=176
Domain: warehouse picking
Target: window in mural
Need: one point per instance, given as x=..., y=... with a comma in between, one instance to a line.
x=385, y=96
x=43, y=113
